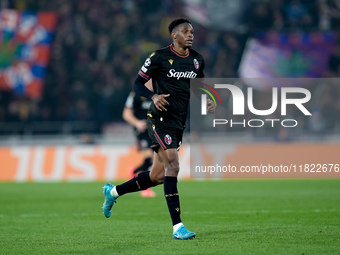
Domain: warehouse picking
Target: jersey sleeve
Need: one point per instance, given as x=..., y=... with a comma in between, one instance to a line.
x=151, y=64
x=129, y=100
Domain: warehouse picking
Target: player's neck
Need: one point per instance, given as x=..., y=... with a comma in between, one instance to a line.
x=181, y=50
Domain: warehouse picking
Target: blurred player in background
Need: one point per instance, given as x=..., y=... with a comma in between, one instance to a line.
x=135, y=113
x=171, y=70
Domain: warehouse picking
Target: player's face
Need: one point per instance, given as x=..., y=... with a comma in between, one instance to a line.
x=185, y=35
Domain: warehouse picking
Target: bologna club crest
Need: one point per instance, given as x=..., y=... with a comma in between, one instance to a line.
x=167, y=139
x=196, y=64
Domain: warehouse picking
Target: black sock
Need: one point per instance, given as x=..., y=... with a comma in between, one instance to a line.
x=143, y=167
x=140, y=182
x=172, y=198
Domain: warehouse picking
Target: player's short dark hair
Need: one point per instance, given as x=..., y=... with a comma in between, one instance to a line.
x=177, y=22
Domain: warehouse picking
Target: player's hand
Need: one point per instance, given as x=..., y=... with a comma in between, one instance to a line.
x=141, y=125
x=210, y=106
x=160, y=101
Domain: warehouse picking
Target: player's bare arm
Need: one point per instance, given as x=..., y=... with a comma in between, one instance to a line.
x=148, y=85
x=130, y=118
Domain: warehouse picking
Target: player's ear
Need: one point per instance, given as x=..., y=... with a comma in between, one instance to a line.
x=174, y=35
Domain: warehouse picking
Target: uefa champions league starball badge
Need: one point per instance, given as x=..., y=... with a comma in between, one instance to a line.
x=167, y=139
x=147, y=62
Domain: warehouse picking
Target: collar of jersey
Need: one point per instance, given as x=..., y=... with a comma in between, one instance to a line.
x=179, y=54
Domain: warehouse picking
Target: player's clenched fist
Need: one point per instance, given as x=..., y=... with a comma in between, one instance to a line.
x=211, y=106
x=160, y=101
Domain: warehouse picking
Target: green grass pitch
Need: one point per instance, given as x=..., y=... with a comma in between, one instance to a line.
x=229, y=217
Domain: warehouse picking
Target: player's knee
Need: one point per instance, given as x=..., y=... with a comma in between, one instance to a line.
x=157, y=179
x=172, y=168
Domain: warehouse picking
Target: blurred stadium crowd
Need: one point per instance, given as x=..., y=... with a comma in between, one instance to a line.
x=100, y=45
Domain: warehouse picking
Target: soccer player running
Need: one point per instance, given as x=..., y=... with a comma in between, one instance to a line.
x=171, y=69
x=135, y=113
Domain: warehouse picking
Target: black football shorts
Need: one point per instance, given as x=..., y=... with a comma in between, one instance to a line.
x=163, y=136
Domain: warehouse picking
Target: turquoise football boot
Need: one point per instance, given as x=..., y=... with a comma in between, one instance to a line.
x=109, y=200
x=183, y=234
